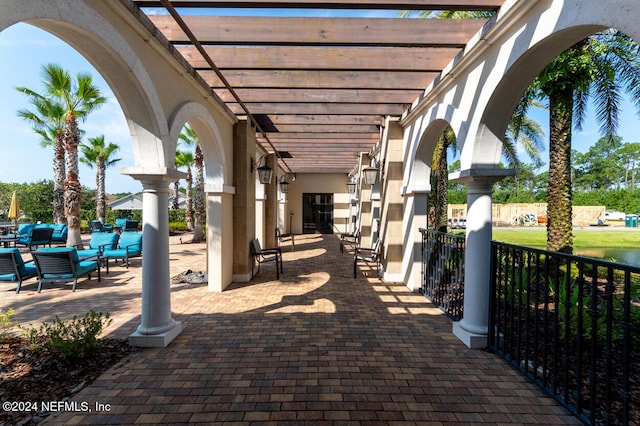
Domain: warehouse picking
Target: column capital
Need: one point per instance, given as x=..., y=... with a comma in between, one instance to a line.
x=480, y=178
x=219, y=189
x=153, y=175
x=408, y=191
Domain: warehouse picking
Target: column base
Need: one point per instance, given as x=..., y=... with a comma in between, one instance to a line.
x=160, y=340
x=472, y=340
x=240, y=278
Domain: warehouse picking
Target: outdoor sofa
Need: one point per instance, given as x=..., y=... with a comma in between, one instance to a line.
x=58, y=237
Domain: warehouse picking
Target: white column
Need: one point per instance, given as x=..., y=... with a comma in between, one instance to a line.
x=157, y=328
x=472, y=329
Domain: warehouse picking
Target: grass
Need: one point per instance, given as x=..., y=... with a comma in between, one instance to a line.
x=582, y=239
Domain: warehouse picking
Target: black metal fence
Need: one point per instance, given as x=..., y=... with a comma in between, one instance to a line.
x=571, y=324
x=443, y=271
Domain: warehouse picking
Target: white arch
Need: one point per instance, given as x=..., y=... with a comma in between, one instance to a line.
x=208, y=135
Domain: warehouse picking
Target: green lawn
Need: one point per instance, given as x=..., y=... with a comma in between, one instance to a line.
x=582, y=239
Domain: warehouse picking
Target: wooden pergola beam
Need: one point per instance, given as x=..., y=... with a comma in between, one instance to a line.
x=482, y=5
x=271, y=79
x=322, y=119
x=321, y=108
x=372, y=96
x=287, y=31
x=321, y=58
x=320, y=137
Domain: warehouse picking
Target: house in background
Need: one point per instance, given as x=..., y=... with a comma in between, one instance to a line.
x=128, y=202
x=134, y=202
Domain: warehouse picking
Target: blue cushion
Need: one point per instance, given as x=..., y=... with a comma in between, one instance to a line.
x=25, y=228
x=131, y=241
x=121, y=222
x=117, y=253
x=8, y=277
x=103, y=240
x=88, y=253
x=60, y=231
x=30, y=270
x=86, y=266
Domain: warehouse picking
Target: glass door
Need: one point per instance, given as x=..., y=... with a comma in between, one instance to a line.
x=317, y=213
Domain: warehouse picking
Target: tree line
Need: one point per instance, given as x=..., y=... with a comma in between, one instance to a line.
x=605, y=175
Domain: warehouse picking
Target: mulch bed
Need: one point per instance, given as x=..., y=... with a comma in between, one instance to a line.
x=27, y=377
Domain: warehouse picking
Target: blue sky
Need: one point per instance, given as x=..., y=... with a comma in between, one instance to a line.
x=25, y=49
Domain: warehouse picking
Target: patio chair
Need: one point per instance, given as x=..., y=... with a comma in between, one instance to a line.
x=261, y=255
x=97, y=226
x=14, y=269
x=131, y=226
x=367, y=255
x=100, y=241
x=37, y=237
x=349, y=241
x=283, y=238
x=129, y=245
x=61, y=264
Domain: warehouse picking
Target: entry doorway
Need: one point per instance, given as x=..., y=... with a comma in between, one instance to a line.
x=317, y=213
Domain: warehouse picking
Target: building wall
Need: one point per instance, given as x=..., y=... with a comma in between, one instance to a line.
x=520, y=213
x=331, y=183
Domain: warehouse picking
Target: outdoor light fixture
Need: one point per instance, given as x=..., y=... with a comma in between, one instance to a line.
x=264, y=172
x=284, y=185
x=351, y=187
x=370, y=174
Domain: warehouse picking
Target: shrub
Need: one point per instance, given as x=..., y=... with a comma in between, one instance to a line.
x=71, y=339
x=178, y=227
x=5, y=324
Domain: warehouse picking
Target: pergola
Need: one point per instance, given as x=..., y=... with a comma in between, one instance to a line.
x=317, y=89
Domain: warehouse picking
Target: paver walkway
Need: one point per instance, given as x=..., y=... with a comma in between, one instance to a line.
x=316, y=347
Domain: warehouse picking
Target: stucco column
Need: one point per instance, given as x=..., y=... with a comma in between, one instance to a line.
x=157, y=328
x=244, y=209
x=271, y=206
x=472, y=329
x=414, y=217
x=392, y=203
x=220, y=236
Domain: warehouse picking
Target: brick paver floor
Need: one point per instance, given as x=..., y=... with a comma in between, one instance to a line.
x=315, y=347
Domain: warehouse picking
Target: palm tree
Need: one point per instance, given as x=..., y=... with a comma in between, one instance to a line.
x=447, y=14
x=599, y=66
x=185, y=159
x=101, y=155
x=188, y=137
x=78, y=98
x=440, y=174
x=524, y=131
x=47, y=120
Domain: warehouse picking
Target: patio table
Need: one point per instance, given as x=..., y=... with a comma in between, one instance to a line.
x=6, y=240
x=7, y=228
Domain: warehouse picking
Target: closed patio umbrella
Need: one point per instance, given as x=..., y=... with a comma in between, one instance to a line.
x=14, y=208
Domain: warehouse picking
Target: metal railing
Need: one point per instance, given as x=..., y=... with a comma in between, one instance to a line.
x=571, y=324
x=443, y=271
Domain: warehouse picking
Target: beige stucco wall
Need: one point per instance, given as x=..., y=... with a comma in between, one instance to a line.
x=508, y=214
x=332, y=183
